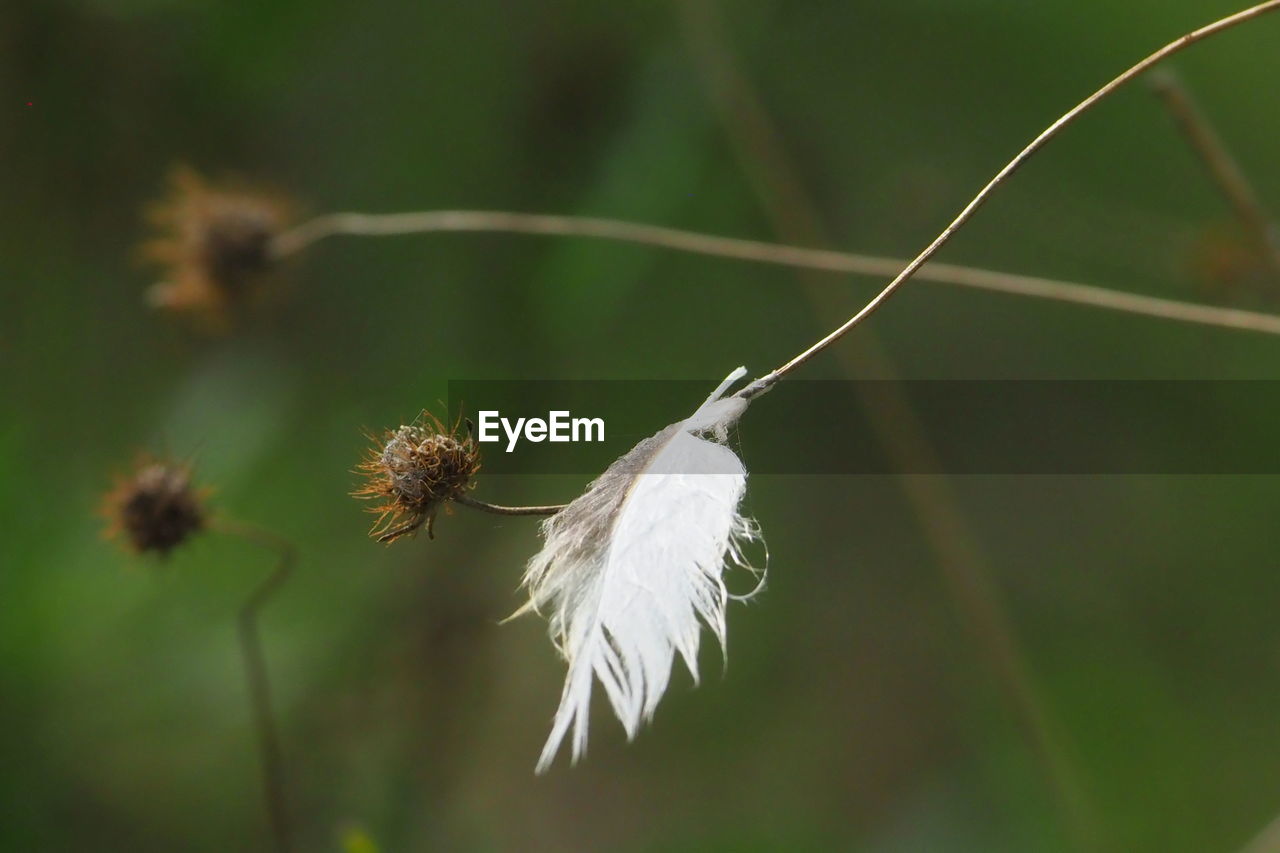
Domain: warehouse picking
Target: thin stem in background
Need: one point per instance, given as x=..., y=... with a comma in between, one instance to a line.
x=964, y=565
x=552, y=225
x=1224, y=169
x=259, y=682
x=766, y=382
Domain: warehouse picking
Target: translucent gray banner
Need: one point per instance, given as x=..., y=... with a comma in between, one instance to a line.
x=971, y=427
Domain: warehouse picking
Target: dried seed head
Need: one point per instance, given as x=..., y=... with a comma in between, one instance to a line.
x=1230, y=266
x=215, y=245
x=414, y=470
x=156, y=508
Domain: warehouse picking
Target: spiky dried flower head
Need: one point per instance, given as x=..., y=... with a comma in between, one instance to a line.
x=155, y=508
x=214, y=244
x=413, y=471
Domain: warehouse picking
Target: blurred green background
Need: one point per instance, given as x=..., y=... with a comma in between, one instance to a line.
x=862, y=706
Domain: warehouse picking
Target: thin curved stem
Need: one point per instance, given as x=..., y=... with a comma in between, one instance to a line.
x=273, y=783
x=539, y=224
x=763, y=384
x=484, y=506
x=466, y=500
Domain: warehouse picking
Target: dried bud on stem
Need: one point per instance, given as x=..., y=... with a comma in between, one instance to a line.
x=214, y=244
x=155, y=509
x=412, y=471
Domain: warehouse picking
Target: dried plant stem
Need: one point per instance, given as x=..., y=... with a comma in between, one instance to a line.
x=467, y=500
x=1267, y=840
x=259, y=682
x=509, y=222
x=962, y=562
x=765, y=382
x=1222, y=167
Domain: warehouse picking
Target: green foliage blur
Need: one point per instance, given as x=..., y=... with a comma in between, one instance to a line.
x=859, y=708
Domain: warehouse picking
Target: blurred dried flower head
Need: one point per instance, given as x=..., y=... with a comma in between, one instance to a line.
x=155, y=508
x=215, y=244
x=1230, y=267
x=414, y=470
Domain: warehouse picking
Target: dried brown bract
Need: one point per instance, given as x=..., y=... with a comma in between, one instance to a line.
x=215, y=245
x=155, y=508
x=412, y=472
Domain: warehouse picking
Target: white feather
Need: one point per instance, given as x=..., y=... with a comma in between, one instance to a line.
x=631, y=568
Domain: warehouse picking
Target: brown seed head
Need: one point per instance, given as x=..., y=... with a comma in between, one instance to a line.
x=1230, y=266
x=414, y=470
x=155, y=509
x=215, y=245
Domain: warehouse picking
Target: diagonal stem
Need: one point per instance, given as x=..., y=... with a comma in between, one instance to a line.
x=1267, y=840
x=259, y=682
x=1225, y=171
x=766, y=382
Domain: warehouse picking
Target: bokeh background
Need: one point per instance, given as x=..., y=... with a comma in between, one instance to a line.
x=873, y=698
